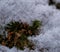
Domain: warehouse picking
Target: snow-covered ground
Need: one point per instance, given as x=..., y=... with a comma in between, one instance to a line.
x=28, y=10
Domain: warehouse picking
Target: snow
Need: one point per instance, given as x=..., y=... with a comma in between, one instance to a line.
x=28, y=10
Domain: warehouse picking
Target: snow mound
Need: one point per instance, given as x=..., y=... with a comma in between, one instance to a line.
x=27, y=10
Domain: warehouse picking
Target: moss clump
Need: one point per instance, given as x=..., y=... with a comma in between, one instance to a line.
x=51, y=2
x=1, y=38
x=58, y=5
x=18, y=33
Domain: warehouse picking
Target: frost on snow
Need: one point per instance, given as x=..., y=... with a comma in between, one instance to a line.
x=27, y=10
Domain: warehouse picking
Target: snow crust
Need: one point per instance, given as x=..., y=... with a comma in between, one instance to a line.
x=28, y=10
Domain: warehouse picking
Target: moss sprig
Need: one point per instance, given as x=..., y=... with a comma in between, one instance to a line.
x=18, y=33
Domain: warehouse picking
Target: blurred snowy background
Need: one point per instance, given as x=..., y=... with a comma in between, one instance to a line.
x=28, y=10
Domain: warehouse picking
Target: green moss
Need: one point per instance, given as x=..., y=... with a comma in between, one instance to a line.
x=58, y=5
x=18, y=33
x=13, y=26
x=1, y=38
x=36, y=24
x=51, y=2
